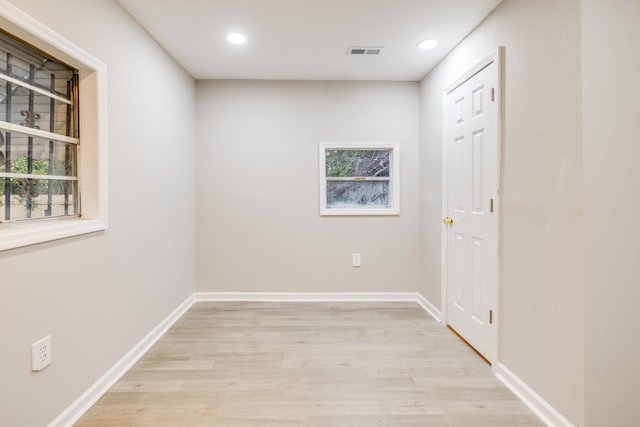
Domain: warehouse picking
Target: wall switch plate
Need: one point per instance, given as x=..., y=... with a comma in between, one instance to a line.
x=41, y=354
x=355, y=260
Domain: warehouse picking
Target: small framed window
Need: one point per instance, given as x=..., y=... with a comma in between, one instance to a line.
x=53, y=135
x=38, y=134
x=359, y=178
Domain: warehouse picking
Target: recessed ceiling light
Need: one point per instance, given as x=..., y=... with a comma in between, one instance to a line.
x=428, y=44
x=236, y=38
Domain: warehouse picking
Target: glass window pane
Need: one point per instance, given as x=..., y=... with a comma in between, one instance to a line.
x=360, y=163
x=40, y=116
x=32, y=194
x=47, y=157
x=17, y=60
x=37, y=198
x=345, y=194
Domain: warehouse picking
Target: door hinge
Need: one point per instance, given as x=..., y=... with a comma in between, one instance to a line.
x=493, y=95
x=491, y=317
x=491, y=206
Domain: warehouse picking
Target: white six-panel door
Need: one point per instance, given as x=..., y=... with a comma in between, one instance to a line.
x=471, y=220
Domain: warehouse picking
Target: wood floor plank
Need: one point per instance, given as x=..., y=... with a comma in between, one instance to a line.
x=308, y=364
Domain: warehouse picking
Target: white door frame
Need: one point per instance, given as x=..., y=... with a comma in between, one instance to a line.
x=496, y=56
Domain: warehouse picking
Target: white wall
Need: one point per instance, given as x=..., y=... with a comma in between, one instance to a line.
x=611, y=61
x=541, y=291
x=98, y=295
x=258, y=219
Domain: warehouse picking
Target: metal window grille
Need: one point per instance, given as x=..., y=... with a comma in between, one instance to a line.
x=39, y=134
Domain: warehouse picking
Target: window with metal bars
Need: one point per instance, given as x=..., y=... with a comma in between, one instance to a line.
x=38, y=134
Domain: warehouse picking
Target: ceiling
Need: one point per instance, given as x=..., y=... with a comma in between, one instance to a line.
x=308, y=39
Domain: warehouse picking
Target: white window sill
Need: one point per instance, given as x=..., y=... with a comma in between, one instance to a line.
x=17, y=235
x=359, y=212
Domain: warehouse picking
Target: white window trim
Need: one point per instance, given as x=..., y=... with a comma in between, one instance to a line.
x=394, y=181
x=92, y=153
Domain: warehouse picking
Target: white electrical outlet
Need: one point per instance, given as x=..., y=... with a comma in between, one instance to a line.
x=355, y=260
x=41, y=354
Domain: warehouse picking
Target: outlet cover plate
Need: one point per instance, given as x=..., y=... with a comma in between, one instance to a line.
x=356, y=260
x=41, y=354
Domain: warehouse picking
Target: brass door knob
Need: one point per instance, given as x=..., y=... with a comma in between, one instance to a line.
x=448, y=220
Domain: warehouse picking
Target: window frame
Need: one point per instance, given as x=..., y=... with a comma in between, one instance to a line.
x=394, y=179
x=92, y=153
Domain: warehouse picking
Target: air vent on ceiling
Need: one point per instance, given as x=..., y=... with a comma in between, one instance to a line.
x=365, y=50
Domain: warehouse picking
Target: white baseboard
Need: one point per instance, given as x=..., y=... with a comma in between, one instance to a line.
x=82, y=404
x=322, y=296
x=533, y=400
x=428, y=307
x=305, y=296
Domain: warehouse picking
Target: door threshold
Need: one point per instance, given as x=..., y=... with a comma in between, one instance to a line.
x=470, y=346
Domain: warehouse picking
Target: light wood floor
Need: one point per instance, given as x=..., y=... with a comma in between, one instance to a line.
x=309, y=364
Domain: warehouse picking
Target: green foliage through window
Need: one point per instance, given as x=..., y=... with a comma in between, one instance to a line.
x=357, y=163
x=21, y=187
